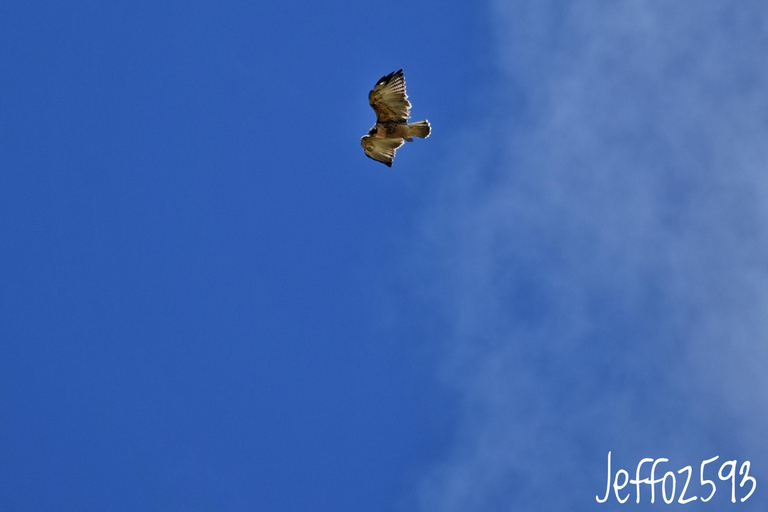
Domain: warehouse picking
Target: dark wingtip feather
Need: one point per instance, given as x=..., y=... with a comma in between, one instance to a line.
x=388, y=78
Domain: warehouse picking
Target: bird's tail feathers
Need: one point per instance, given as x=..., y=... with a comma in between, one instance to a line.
x=420, y=129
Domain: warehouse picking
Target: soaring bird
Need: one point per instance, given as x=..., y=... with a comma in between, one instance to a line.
x=389, y=101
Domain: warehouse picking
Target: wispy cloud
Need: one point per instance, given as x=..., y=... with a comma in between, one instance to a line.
x=601, y=260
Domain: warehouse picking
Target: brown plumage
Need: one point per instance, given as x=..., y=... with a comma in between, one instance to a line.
x=390, y=102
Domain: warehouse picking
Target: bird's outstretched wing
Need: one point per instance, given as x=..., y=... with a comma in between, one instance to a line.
x=389, y=100
x=382, y=150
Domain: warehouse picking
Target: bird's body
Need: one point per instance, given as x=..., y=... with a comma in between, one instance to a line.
x=390, y=102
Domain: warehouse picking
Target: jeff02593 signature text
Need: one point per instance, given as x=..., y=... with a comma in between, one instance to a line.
x=667, y=484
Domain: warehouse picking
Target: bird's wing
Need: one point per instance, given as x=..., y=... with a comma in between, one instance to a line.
x=388, y=98
x=382, y=150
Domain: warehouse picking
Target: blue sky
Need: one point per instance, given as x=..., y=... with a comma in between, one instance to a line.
x=211, y=299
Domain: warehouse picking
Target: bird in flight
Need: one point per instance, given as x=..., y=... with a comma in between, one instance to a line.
x=389, y=101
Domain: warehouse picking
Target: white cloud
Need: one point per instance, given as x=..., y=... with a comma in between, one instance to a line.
x=603, y=270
